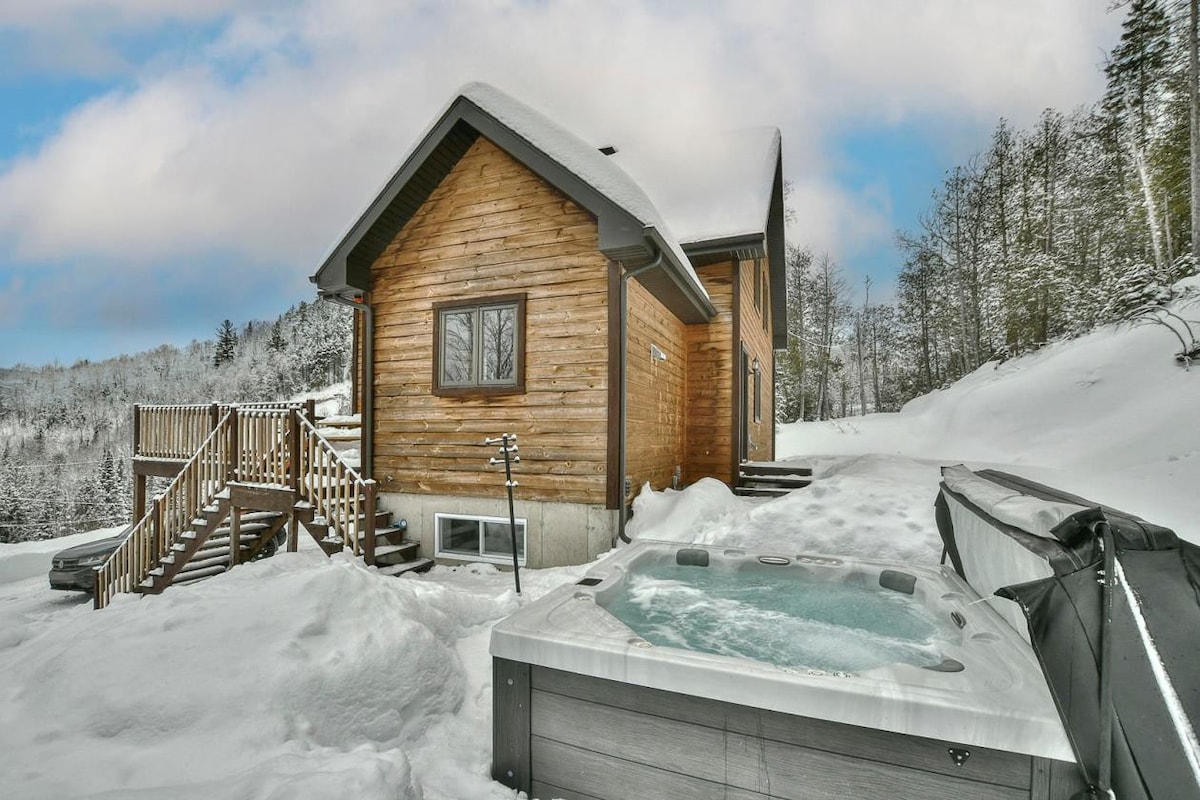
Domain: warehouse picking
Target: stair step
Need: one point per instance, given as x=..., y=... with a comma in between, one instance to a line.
x=756, y=491
x=418, y=565
x=197, y=564
x=347, y=436
x=345, y=421
x=405, y=548
x=195, y=575
x=779, y=482
x=750, y=468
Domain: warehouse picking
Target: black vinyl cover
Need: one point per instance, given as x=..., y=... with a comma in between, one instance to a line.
x=1156, y=644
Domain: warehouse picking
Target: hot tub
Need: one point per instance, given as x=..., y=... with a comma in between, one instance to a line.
x=585, y=706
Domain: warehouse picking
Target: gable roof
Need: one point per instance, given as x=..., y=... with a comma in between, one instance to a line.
x=632, y=227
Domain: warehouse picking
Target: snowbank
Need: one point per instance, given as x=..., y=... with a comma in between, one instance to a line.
x=873, y=506
x=296, y=676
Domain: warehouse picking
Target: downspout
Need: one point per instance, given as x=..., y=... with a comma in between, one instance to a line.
x=623, y=344
x=367, y=461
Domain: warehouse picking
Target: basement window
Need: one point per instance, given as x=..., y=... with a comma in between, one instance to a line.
x=478, y=538
x=479, y=346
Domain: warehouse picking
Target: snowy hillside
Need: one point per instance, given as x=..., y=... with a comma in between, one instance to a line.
x=1109, y=416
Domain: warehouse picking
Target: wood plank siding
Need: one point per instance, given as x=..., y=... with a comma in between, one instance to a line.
x=753, y=331
x=710, y=365
x=657, y=404
x=640, y=741
x=493, y=228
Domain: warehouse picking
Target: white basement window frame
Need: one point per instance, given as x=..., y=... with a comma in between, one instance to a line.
x=464, y=361
x=452, y=529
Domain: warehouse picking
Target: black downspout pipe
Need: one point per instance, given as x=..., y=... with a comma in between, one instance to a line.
x=623, y=344
x=367, y=461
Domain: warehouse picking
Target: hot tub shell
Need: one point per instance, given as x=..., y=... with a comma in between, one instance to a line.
x=584, y=707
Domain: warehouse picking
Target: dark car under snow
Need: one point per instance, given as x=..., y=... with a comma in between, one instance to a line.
x=74, y=569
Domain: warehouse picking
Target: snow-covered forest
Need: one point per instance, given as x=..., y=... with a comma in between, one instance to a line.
x=1043, y=234
x=65, y=431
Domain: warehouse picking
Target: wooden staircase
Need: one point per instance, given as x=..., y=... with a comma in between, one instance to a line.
x=213, y=546
x=392, y=552
x=771, y=479
x=256, y=469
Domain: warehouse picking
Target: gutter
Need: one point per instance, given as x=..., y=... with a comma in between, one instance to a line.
x=623, y=412
x=359, y=304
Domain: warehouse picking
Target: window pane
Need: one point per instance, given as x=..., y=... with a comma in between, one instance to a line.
x=499, y=361
x=458, y=340
x=458, y=536
x=496, y=540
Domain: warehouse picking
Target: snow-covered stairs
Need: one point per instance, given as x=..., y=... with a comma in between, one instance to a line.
x=394, y=554
x=771, y=478
x=206, y=549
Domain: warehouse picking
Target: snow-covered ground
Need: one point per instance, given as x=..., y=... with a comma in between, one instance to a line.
x=307, y=677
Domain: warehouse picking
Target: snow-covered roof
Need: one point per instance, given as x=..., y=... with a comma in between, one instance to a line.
x=719, y=190
x=709, y=186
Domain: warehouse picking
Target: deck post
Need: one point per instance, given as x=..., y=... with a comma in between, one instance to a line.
x=310, y=410
x=139, y=481
x=214, y=417
x=158, y=534
x=293, y=537
x=293, y=449
x=235, y=535
x=369, y=494
x=235, y=455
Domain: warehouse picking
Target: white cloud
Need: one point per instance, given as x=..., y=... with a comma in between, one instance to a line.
x=266, y=142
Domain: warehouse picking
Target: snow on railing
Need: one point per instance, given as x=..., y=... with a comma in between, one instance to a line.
x=337, y=492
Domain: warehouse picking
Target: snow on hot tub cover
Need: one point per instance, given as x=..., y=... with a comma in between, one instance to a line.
x=998, y=525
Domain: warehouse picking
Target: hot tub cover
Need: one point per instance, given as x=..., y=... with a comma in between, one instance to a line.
x=1155, y=627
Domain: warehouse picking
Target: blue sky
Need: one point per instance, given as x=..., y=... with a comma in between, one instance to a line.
x=167, y=164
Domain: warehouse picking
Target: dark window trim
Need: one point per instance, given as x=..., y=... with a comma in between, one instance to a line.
x=758, y=284
x=765, y=311
x=757, y=391
x=479, y=302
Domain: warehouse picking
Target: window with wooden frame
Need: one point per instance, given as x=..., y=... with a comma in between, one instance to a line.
x=479, y=346
x=757, y=391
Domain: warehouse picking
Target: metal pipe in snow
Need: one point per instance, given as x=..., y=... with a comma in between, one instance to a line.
x=367, y=460
x=622, y=380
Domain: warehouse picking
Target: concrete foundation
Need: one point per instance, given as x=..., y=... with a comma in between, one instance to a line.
x=557, y=534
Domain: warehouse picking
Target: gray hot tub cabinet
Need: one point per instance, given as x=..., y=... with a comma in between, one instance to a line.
x=582, y=708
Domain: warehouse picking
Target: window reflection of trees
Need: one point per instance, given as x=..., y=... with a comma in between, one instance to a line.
x=458, y=339
x=499, y=344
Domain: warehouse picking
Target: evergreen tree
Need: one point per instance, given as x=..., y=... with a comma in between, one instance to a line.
x=227, y=342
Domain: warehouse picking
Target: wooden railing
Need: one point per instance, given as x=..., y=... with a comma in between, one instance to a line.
x=264, y=444
x=194, y=488
x=263, y=453
x=339, y=495
x=173, y=431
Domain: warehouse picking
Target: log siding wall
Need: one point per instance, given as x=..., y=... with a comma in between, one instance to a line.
x=755, y=338
x=492, y=227
x=710, y=379
x=657, y=409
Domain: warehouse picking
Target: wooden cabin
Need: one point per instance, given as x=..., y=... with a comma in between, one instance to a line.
x=616, y=310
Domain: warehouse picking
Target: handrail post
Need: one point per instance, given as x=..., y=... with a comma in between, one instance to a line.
x=293, y=447
x=214, y=416
x=158, y=532
x=235, y=536
x=369, y=489
x=235, y=450
x=310, y=410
